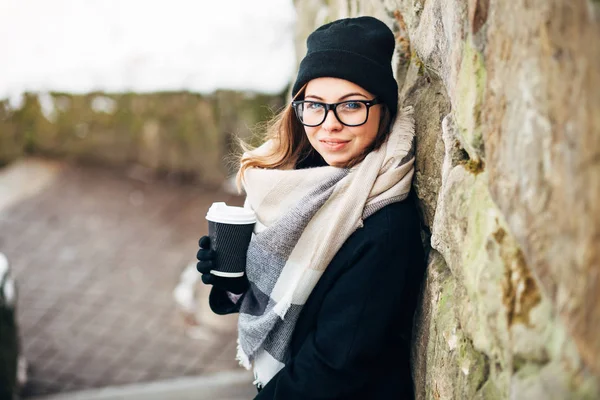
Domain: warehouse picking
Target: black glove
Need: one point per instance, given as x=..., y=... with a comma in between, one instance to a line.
x=206, y=258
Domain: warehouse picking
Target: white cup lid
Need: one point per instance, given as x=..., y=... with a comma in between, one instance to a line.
x=224, y=214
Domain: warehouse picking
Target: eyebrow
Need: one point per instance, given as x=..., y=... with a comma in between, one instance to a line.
x=341, y=98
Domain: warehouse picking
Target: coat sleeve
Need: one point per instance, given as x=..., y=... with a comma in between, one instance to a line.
x=353, y=322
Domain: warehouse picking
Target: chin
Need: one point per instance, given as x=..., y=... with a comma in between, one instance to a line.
x=336, y=162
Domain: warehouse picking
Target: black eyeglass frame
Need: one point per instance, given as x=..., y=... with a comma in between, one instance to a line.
x=332, y=107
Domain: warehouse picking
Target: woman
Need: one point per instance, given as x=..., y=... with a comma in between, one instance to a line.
x=335, y=264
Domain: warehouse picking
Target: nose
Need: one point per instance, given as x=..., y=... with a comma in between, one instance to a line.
x=331, y=123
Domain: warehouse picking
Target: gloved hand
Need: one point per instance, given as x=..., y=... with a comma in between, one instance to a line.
x=206, y=259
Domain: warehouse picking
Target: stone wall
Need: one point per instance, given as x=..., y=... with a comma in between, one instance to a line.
x=183, y=133
x=506, y=95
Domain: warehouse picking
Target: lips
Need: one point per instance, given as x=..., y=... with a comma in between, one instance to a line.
x=333, y=141
x=333, y=144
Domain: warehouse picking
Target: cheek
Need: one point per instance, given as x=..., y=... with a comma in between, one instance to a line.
x=374, y=126
x=310, y=132
x=368, y=134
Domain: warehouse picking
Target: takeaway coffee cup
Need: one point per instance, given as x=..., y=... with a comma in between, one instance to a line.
x=230, y=229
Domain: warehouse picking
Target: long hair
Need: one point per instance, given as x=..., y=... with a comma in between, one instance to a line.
x=291, y=145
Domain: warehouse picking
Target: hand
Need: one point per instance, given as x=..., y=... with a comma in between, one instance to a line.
x=206, y=260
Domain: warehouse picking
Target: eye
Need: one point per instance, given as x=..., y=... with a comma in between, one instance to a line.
x=352, y=106
x=313, y=106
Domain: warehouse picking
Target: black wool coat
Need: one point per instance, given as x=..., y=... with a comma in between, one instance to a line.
x=352, y=337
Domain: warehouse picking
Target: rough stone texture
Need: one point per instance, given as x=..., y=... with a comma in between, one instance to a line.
x=544, y=121
x=183, y=133
x=508, y=173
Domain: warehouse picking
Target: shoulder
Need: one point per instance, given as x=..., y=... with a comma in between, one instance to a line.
x=392, y=222
x=391, y=232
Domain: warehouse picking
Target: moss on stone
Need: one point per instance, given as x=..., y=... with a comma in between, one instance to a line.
x=417, y=61
x=455, y=368
x=474, y=366
x=501, y=296
x=473, y=166
x=481, y=273
x=471, y=84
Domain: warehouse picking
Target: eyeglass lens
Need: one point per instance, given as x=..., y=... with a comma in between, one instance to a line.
x=349, y=113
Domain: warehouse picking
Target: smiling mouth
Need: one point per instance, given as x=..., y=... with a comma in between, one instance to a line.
x=334, y=142
x=334, y=145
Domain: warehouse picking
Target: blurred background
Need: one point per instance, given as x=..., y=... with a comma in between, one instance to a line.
x=118, y=127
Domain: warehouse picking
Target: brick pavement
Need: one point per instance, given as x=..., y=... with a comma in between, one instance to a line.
x=96, y=256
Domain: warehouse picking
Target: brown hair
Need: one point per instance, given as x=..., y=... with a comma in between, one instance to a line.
x=291, y=144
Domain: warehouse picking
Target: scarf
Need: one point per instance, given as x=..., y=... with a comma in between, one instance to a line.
x=303, y=218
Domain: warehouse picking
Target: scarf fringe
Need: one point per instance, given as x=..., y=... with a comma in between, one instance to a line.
x=405, y=126
x=242, y=358
x=280, y=309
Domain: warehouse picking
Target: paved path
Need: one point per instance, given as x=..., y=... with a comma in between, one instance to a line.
x=96, y=257
x=219, y=386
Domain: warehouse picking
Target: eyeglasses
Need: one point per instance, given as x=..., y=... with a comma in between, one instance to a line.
x=349, y=113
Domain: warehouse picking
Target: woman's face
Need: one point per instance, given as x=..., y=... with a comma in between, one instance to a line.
x=337, y=143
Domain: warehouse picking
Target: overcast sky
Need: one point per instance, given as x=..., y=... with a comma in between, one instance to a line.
x=80, y=46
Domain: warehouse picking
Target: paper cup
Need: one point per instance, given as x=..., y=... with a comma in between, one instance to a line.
x=230, y=230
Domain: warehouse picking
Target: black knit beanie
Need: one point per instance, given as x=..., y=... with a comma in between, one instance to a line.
x=358, y=50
